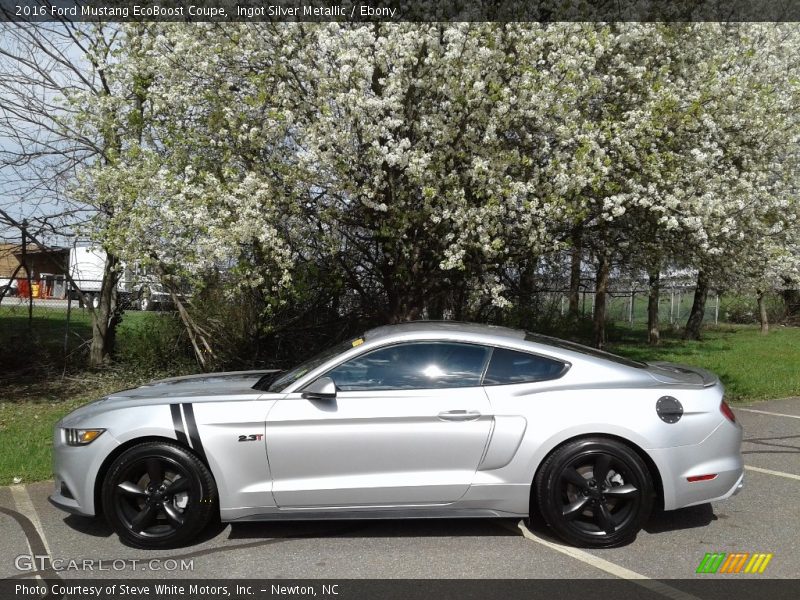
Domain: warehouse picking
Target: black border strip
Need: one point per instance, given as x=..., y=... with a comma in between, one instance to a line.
x=194, y=434
x=729, y=588
x=394, y=11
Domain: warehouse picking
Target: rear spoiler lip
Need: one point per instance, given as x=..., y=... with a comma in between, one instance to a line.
x=709, y=379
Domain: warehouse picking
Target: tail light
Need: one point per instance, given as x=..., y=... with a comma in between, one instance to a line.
x=726, y=410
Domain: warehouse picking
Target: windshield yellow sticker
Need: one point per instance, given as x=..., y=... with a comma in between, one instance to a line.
x=358, y=342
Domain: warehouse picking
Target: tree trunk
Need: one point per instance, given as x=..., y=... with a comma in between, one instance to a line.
x=791, y=299
x=653, y=335
x=601, y=289
x=403, y=305
x=105, y=317
x=434, y=307
x=575, y=276
x=695, y=322
x=460, y=301
x=762, y=312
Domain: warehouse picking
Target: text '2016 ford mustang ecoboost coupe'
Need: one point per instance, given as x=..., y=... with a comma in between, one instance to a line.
x=424, y=419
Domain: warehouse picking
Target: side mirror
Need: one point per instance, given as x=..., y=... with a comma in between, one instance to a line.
x=322, y=389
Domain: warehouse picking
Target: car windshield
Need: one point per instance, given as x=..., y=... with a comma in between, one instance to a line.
x=573, y=347
x=289, y=377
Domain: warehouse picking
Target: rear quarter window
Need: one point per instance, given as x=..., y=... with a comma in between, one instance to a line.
x=573, y=347
x=511, y=366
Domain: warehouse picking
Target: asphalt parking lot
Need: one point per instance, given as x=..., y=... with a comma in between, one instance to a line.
x=765, y=517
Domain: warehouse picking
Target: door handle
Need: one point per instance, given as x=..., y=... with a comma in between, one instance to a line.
x=459, y=415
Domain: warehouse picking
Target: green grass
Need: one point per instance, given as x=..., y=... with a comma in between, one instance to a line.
x=25, y=441
x=752, y=366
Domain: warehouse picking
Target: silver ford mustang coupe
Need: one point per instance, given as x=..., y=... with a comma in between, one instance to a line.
x=417, y=420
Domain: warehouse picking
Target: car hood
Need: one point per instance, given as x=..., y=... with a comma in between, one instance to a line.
x=672, y=373
x=203, y=384
x=206, y=387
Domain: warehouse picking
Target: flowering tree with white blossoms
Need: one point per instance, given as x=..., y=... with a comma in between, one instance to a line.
x=58, y=117
x=699, y=140
x=391, y=150
x=738, y=182
x=424, y=169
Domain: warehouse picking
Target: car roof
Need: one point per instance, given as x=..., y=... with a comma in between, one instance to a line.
x=517, y=338
x=426, y=327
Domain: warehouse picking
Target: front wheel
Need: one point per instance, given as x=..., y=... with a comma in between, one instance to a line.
x=594, y=492
x=158, y=495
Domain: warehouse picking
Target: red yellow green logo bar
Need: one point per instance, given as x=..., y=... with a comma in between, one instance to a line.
x=734, y=562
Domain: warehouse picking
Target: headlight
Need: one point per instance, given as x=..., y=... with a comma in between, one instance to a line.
x=81, y=437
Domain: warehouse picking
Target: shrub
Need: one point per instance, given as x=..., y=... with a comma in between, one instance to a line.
x=744, y=309
x=153, y=342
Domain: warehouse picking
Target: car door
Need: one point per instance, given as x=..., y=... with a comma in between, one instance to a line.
x=409, y=425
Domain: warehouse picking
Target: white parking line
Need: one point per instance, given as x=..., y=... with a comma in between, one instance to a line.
x=608, y=566
x=25, y=506
x=771, y=472
x=766, y=412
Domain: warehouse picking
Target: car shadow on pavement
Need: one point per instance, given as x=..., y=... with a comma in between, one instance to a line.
x=683, y=518
x=772, y=445
x=660, y=521
x=98, y=527
x=372, y=528
x=93, y=526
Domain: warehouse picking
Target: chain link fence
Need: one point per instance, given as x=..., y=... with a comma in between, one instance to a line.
x=629, y=306
x=52, y=293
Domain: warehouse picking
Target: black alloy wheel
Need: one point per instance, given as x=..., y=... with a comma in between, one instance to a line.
x=595, y=492
x=158, y=495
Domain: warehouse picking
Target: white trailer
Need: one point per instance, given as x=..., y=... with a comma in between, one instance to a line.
x=86, y=266
x=136, y=288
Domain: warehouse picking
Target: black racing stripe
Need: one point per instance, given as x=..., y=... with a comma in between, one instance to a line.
x=194, y=434
x=177, y=423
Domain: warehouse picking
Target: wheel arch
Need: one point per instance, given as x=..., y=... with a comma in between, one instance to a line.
x=116, y=452
x=652, y=468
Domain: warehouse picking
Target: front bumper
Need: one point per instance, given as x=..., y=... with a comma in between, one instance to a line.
x=69, y=505
x=75, y=470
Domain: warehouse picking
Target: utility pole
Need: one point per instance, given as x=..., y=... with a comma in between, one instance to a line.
x=633, y=299
x=24, y=230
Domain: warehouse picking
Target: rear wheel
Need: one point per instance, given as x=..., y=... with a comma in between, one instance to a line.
x=158, y=495
x=88, y=299
x=594, y=492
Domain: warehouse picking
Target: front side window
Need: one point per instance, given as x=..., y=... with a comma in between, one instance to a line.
x=510, y=366
x=271, y=383
x=423, y=365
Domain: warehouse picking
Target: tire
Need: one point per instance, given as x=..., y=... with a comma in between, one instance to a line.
x=86, y=300
x=584, y=511
x=158, y=516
